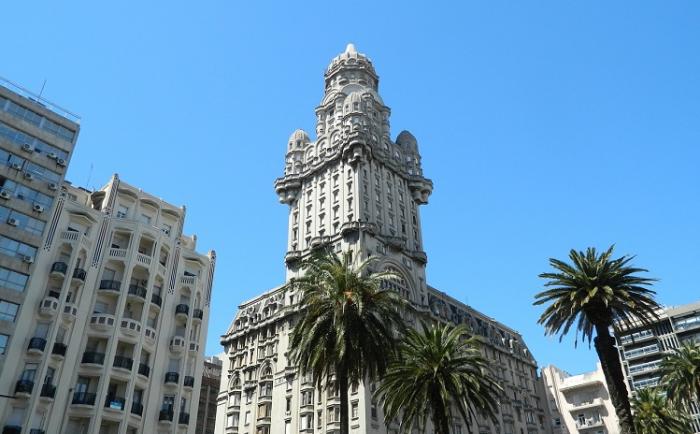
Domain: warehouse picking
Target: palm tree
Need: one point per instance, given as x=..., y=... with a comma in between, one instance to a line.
x=653, y=414
x=348, y=324
x=437, y=369
x=592, y=294
x=681, y=374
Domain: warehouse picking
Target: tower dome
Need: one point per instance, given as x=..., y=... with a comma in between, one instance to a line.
x=407, y=140
x=350, y=58
x=353, y=103
x=298, y=138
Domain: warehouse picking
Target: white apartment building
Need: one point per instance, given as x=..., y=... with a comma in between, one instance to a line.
x=354, y=189
x=641, y=347
x=110, y=336
x=579, y=404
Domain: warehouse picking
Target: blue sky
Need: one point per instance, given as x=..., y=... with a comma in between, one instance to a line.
x=544, y=125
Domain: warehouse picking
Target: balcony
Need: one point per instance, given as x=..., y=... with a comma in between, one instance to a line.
x=597, y=402
x=117, y=253
x=93, y=358
x=137, y=291
x=292, y=256
x=23, y=388
x=115, y=403
x=689, y=323
x=12, y=429
x=122, y=362
x=143, y=259
x=641, y=352
x=644, y=367
x=102, y=321
x=79, y=275
x=58, y=269
x=194, y=347
x=48, y=391
x=177, y=344
x=182, y=311
x=83, y=398
x=48, y=307
x=144, y=369
x=110, y=285
x=189, y=381
x=198, y=314
x=188, y=280
x=165, y=416
x=183, y=419
x=70, y=312
x=150, y=335
x=589, y=423
x=36, y=345
x=137, y=408
x=157, y=300
x=130, y=327
x=59, y=349
x=172, y=378
x=37, y=431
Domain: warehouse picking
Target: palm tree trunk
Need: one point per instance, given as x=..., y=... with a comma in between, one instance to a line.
x=441, y=424
x=344, y=411
x=614, y=377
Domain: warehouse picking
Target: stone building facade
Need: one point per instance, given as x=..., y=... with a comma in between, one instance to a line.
x=354, y=189
x=111, y=334
x=209, y=395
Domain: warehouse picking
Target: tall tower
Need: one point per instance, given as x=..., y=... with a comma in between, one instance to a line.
x=354, y=188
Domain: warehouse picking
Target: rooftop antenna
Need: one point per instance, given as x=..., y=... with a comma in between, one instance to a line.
x=42, y=89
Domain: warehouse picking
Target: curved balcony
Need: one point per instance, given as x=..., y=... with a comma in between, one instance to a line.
x=165, y=416
x=137, y=291
x=48, y=391
x=83, y=398
x=102, y=321
x=182, y=311
x=188, y=381
x=292, y=256
x=117, y=253
x=70, y=312
x=110, y=285
x=137, y=408
x=150, y=335
x=144, y=370
x=130, y=327
x=177, y=344
x=122, y=362
x=36, y=345
x=58, y=269
x=115, y=403
x=172, y=378
x=59, y=349
x=11, y=429
x=93, y=358
x=198, y=314
x=157, y=300
x=48, y=307
x=23, y=388
x=79, y=275
x=183, y=419
x=194, y=347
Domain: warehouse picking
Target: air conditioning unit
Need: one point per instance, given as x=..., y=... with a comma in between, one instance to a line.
x=61, y=162
x=52, y=155
x=4, y=194
x=27, y=147
x=28, y=176
x=12, y=221
x=38, y=208
x=16, y=166
x=53, y=186
x=28, y=259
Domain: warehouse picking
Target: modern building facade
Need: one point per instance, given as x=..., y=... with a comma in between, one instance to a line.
x=641, y=347
x=208, y=395
x=36, y=144
x=111, y=332
x=579, y=404
x=354, y=189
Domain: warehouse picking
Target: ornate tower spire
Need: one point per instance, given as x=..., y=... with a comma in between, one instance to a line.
x=353, y=188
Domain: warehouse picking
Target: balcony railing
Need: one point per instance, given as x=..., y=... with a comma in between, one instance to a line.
x=166, y=415
x=182, y=309
x=12, y=429
x=144, y=369
x=156, y=299
x=59, y=349
x=188, y=381
x=48, y=390
x=137, y=408
x=59, y=268
x=639, y=352
x=79, y=274
x=172, y=377
x=115, y=402
x=36, y=344
x=93, y=357
x=198, y=314
x=123, y=362
x=84, y=398
x=183, y=418
x=138, y=291
x=24, y=386
x=110, y=285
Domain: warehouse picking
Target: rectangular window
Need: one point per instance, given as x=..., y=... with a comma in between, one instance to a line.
x=16, y=249
x=122, y=212
x=354, y=410
x=13, y=280
x=3, y=343
x=8, y=311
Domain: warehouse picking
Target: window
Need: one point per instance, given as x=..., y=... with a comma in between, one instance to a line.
x=3, y=343
x=8, y=311
x=166, y=228
x=354, y=410
x=307, y=421
x=122, y=211
x=307, y=397
x=146, y=219
x=333, y=414
x=16, y=249
x=13, y=280
x=232, y=420
x=246, y=420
